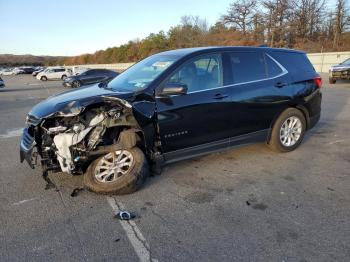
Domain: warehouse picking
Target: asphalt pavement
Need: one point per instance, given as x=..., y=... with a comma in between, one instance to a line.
x=246, y=204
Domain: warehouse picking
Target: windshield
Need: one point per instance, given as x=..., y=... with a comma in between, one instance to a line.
x=139, y=76
x=346, y=62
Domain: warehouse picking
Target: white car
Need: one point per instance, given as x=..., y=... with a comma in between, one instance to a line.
x=54, y=73
x=7, y=72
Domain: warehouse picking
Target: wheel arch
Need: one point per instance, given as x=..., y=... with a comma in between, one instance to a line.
x=301, y=108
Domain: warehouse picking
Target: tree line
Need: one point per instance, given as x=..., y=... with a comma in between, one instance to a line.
x=309, y=25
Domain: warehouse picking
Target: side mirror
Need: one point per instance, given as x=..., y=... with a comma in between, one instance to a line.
x=174, y=89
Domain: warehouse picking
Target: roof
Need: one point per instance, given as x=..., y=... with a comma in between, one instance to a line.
x=188, y=51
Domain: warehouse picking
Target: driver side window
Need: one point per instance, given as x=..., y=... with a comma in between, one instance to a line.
x=201, y=73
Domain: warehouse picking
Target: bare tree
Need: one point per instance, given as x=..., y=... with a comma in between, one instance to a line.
x=341, y=21
x=240, y=14
x=277, y=15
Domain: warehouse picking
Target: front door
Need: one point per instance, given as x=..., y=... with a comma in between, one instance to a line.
x=200, y=117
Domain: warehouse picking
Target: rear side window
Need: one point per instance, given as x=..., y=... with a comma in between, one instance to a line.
x=294, y=62
x=273, y=69
x=247, y=66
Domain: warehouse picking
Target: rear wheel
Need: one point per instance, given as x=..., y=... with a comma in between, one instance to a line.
x=63, y=77
x=43, y=78
x=288, y=131
x=119, y=172
x=332, y=80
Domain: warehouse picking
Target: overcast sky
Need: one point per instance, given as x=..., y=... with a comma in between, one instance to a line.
x=73, y=27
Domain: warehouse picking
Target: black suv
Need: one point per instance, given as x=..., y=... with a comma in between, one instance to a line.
x=172, y=106
x=91, y=76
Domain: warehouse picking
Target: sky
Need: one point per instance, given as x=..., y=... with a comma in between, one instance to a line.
x=74, y=27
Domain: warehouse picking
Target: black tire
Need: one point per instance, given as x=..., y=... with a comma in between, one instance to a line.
x=43, y=78
x=76, y=84
x=275, y=142
x=332, y=80
x=63, y=77
x=127, y=183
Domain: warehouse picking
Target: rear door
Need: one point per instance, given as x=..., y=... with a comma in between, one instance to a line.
x=201, y=116
x=259, y=91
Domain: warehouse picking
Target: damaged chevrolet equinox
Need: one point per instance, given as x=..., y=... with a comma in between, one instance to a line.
x=173, y=106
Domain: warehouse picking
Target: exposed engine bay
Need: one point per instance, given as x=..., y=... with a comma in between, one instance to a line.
x=66, y=141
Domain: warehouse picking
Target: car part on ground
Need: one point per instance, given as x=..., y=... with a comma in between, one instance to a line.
x=340, y=72
x=173, y=106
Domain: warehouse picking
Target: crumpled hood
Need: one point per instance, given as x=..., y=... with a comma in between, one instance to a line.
x=83, y=96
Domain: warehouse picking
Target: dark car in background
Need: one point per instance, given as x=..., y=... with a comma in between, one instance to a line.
x=37, y=71
x=173, y=106
x=27, y=69
x=2, y=83
x=88, y=77
x=341, y=71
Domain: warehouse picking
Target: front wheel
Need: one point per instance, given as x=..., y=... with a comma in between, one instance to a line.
x=119, y=172
x=63, y=77
x=43, y=78
x=76, y=84
x=288, y=131
x=332, y=80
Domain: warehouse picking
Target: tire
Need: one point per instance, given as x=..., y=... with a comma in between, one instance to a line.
x=63, y=77
x=43, y=78
x=332, y=80
x=276, y=143
x=127, y=183
x=76, y=84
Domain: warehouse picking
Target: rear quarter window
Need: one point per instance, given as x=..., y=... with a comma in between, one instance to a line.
x=295, y=63
x=272, y=68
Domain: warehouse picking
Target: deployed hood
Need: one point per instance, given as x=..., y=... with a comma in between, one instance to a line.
x=73, y=101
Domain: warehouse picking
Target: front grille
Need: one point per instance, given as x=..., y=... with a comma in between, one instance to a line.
x=27, y=139
x=32, y=120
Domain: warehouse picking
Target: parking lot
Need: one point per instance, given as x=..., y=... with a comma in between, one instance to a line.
x=246, y=204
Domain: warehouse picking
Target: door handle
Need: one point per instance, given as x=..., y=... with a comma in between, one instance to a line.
x=220, y=96
x=280, y=84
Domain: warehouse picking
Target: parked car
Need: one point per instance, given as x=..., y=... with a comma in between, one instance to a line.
x=2, y=83
x=36, y=72
x=27, y=69
x=341, y=71
x=173, y=106
x=91, y=76
x=17, y=71
x=54, y=73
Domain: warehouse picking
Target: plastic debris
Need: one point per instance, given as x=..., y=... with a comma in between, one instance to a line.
x=125, y=215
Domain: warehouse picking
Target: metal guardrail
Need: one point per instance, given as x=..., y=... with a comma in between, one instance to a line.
x=321, y=62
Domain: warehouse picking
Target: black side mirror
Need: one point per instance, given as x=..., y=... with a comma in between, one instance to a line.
x=174, y=89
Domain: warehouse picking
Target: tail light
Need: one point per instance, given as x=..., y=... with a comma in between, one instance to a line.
x=318, y=81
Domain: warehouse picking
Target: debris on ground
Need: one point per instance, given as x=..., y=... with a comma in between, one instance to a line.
x=330, y=189
x=49, y=183
x=76, y=191
x=248, y=203
x=117, y=240
x=125, y=215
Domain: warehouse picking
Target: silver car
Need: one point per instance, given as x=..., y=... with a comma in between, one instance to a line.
x=341, y=71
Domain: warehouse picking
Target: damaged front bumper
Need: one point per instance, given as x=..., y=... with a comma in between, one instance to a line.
x=27, y=145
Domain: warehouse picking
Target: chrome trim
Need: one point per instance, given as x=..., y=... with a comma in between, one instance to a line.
x=284, y=72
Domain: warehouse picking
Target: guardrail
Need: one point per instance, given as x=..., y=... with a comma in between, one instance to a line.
x=321, y=62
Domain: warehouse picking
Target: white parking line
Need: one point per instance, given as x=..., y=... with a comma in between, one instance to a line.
x=12, y=133
x=134, y=234
x=23, y=201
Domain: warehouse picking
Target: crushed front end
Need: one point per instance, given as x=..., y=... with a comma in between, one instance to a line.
x=68, y=139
